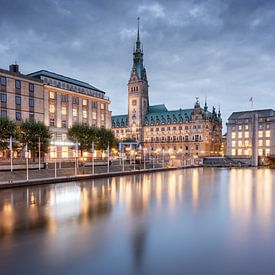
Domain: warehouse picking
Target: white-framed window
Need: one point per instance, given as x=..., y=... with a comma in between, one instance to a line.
x=52, y=95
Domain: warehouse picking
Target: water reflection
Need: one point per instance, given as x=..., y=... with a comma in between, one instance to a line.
x=109, y=217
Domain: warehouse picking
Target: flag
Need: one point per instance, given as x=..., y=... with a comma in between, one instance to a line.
x=251, y=99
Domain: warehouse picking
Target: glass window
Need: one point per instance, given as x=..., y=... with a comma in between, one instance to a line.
x=240, y=152
x=64, y=110
x=74, y=112
x=3, y=81
x=17, y=84
x=84, y=113
x=3, y=97
x=233, y=143
x=31, y=102
x=64, y=124
x=267, y=142
x=94, y=115
x=246, y=143
x=233, y=152
x=84, y=102
x=65, y=151
x=31, y=87
x=240, y=144
x=52, y=95
x=246, y=127
x=260, y=152
x=18, y=100
x=102, y=117
x=260, y=142
x=64, y=98
x=31, y=116
x=233, y=135
x=3, y=113
x=102, y=106
x=267, y=152
x=246, y=134
x=18, y=115
x=260, y=134
x=51, y=121
x=240, y=127
x=267, y=126
x=52, y=108
x=267, y=133
x=240, y=134
x=64, y=137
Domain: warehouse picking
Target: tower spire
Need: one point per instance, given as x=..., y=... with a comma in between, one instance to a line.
x=138, y=30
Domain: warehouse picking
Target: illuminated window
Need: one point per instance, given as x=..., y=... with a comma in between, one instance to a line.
x=267, y=152
x=240, y=127
x=246, y=143
x=260, y=152
x=246, y=127
x=102, y=117
x=267, y=133
x=52, y=152
x=260, y=142
x=84, y=113
x=233, y=143
x=64, y=137
x=240, y=135
x=74, y=112
x=94, y=115
x=267, y=126
x=102, y=106
x=52, y=108
x=267, y=142
x=84, y=102
x=233, y=135
x=260, y=134
x=64, y=110
x=246, y=134
x=240, y=152
x=52, y=95
x=240, y=144
x=246, y=152
x=65, y=152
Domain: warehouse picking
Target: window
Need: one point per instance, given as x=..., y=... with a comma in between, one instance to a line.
x=51, y=121
x=52, y=108
x=31, y=87
x=267, y=152
x=18, y=100
x=233, y=135
x=240, y=144
x=3, y=81
x=75, y=100
x=233, y=152
x=240, y=152
x=240, y=134
x=64, y=110
x=52, y=95
x=260, y=152
x=267, y=142
x=267, y=133
x=94, y=115
x=31, y=116
x=17, y=84
x=260, y=134
x=65, y=152
x=84, y=113
x=240, y=127
x=74, y=112
x=84, y=102
x=64, y=98
x=31, y=102
x=64, y=124
x=246, y=143
x=233, y=143
x=18, y=115
x=102, y=117
x=3, y=97
x=246, y=127
x=3, y=113
x=267, y=126
x=246, y=134
x=197, y=147
x=102, y=106
x=260, y=142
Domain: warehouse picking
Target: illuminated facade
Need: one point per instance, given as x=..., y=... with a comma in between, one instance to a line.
x=194, y=131
x=68, y=101
x=250, y=134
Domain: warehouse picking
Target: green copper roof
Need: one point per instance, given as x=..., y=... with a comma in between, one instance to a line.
x=157, y=108
x=60, y=77
x=119, y=121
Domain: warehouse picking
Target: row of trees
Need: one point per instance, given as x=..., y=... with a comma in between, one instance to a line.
x=28, y=133
x=34, y=133
x=88, y=136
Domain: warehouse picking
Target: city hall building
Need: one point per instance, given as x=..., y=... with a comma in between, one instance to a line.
x=58, y=101
x=193, y=131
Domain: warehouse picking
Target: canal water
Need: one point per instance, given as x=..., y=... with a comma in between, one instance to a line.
x=196, y=221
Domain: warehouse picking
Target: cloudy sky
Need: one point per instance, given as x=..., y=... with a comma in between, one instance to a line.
x=222, y=49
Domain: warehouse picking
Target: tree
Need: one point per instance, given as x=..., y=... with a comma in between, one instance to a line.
x=7, y=129
x=84, y=135
x=31, y=132
x=105, y=137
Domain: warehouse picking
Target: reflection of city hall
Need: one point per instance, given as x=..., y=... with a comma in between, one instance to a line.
x=194, y=131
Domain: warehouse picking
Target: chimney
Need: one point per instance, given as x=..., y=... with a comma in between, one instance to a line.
x=14, y=68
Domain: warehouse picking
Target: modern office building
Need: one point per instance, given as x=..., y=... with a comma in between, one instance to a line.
x=21, y=96
x=250, y=134
x=193, y=131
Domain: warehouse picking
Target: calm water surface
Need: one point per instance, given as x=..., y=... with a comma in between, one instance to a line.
x=200, y=221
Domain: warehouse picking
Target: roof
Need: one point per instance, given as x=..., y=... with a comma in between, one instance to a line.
x=65, y=79
x=120, y=121
x=14, y=74
x=247, y=114
x=157, y=108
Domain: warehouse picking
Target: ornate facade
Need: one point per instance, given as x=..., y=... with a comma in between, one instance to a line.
x=194, y=131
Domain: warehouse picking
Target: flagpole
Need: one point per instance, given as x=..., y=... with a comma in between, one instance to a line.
x=108, y=152
x=11, y=153
x=93, y=158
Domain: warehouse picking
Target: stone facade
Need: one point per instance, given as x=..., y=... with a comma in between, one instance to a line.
x=250, y=134
x=194, y=131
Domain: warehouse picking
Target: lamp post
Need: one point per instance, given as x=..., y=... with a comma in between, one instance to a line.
x=11, y=153
x=39, y=152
